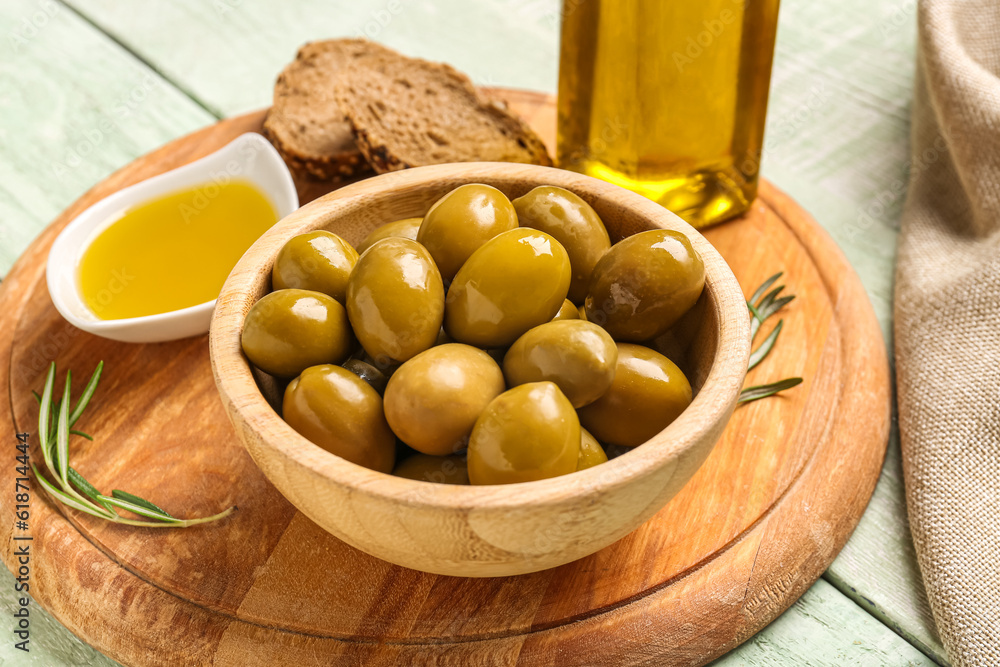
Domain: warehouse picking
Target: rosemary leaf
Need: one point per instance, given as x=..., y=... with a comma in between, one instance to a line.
x=768, y=299
x=54, y=431
x=765, y=390
x=141, y=510
x=45, y=418
x=775, y=306
x=126, y=496
x=54, y=409
x=62, y=434
x=177, y=523
x=88, y=392
x=82, y=434
x=763, y=288
x=764, y=310
x=87, y=488
x=67, y=499
x=765, y=348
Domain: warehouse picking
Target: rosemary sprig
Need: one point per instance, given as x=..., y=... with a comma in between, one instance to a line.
x=762, y=305
x=765, y=390
x=758, y=355
x=55, y=425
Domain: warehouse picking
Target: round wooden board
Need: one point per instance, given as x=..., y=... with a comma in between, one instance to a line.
x=759, y=522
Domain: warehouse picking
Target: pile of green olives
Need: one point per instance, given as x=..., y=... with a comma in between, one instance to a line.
x=489, y=342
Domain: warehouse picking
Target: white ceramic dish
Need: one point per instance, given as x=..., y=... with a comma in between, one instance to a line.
x=248, y=157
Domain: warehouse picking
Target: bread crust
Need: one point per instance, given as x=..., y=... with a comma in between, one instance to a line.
x=334, y=168
x=386, y=150
x=304, y=123
x=325, y=121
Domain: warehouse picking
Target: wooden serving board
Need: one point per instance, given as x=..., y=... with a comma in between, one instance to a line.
x=759, y=522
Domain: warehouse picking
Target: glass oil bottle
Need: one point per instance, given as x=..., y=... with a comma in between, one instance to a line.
x=668, y=98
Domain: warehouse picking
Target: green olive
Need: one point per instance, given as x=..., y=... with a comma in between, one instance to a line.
x=336, y=410
x=439, y=469
x=433, y=400
x=405, y=228
x=578, y=356
x=373, y=376
x=582, y=312
x=292, y=329
x=318, y=261
x=644, y=284
x=573, y=223
x=591, y=452
x=461, y=222
x=567, y=311
x=527, y=433
x=647, y=394
x=516, y=281
x=395, y=299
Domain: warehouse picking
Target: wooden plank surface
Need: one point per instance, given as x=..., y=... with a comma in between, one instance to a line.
x=227, y=53
x=822, y=629
x=836, y=141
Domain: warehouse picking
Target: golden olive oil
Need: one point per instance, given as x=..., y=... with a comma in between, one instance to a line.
x=668, y=98
x=172, y=252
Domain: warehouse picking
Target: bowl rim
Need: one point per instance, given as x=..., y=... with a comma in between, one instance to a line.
x=248, y=409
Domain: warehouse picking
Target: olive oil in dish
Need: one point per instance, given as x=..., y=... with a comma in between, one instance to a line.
x=174, y=251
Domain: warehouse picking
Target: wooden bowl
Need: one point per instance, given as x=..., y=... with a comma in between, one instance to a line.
x=487, y=530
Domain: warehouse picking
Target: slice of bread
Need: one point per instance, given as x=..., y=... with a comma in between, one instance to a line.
x=305, y=124
x=407, y=112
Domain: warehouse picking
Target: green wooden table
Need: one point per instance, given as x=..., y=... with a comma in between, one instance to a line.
x=88, y=85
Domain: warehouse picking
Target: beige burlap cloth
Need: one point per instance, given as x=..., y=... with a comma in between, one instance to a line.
x=947, y=319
